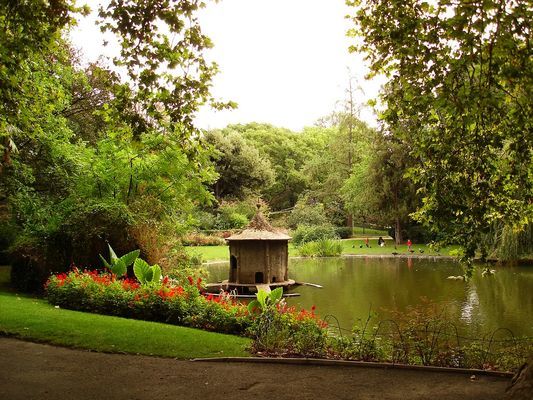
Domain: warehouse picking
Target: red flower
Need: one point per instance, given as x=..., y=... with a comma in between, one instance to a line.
x=191, y=281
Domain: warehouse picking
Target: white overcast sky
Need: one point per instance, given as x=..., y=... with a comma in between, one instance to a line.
x=284, y=62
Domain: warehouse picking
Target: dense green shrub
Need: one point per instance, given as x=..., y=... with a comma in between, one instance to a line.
x=321, y=248
x=313, y=233
x=200, y=239
x=76, y=235
x=344, y=232
x=308, y=214
x=235, y=214
x=8, y=234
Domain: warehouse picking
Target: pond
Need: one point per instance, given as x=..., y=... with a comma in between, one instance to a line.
x=352, y=287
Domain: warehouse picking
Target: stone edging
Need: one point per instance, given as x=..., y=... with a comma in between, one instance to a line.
x=360, y=364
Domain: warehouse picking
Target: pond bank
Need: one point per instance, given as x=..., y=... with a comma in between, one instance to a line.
x=407, y=256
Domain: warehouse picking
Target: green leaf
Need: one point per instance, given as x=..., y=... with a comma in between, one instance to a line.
x=112, y=254
x=149, y=275
x=106, y=264
x=156, y=273
x=262, y=296
x=130, y=257
x=140, y=269
x=119, y=268
x=254, y=306
x=276, y=295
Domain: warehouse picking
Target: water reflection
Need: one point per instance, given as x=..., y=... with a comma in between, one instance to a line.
x=353, y=286
x=472, y=301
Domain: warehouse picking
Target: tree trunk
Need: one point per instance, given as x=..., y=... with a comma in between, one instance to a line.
x=522, y=384
x=398, y=232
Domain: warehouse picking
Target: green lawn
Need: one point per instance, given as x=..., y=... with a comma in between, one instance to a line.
x=357, y=246
x=34, y=319
x=351, y=246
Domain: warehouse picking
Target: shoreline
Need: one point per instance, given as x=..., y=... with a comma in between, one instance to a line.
x=406, y=256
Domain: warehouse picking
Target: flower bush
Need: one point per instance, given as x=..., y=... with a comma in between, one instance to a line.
x=278, y=329
x=164, y=301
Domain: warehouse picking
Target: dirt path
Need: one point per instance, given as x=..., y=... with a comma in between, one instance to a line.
x=36, y=371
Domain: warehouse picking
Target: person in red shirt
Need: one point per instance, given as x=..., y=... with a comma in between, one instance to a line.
x=409, y=244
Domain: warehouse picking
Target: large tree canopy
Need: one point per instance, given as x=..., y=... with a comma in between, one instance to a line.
x=459, y=92
x=88, y=157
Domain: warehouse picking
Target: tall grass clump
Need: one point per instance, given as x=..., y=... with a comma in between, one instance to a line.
x=321, y=248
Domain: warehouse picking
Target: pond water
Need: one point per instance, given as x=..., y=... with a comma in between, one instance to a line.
x=354, y=286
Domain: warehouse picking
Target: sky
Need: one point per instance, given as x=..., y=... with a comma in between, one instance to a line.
x=285, y=62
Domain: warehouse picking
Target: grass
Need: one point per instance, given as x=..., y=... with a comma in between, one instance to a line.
x=350, y=247
x=34, y=319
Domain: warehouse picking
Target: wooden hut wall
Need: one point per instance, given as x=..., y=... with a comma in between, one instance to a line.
x=267, y=257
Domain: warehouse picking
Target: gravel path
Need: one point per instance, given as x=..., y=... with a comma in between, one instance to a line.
x=36, y=371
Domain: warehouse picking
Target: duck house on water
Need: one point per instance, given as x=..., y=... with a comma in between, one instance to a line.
x=259, y=258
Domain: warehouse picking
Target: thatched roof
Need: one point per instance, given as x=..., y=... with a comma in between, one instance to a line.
x=259, y=229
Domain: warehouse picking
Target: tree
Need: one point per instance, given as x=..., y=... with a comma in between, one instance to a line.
x=241, y=170
x=459, y=93
x=377, y=187
x=86, y=157
x=348, y=142
x=287, y=151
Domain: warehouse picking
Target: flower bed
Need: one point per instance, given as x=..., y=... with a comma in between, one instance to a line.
x=165, y=301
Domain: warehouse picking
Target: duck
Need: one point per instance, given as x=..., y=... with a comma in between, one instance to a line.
x=394, y=253
x=421, y=251
x=456, y=278
x=488, y=272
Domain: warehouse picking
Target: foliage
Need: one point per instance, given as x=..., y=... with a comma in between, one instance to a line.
x=306, y=212
x=200, y=239
x=377, y=189
x=145, y=273
x=171, y=78
x=321, y=248
x=344, y=232
x=509, y=243
x=423, y=335
x=279, y=329
x=348, y=144
x=163, y=301
x=241, y=170
x=458, y=95
x=119, y=265
x=233, y=215
x=288, y=153
x=264, y=300
x=306, y=233
x=88, y=158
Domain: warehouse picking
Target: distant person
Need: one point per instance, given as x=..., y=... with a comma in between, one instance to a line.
x=381, y=242
x=409, y=244
x=366, y=242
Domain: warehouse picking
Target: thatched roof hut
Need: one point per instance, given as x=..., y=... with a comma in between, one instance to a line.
x=259, y=254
